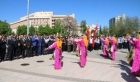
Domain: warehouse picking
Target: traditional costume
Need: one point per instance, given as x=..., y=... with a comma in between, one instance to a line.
x=78, y=48
x=105, y=47
x=57, y=53
x=113, y=47
x=130, y=54
x=83, y=51
x=136, y=61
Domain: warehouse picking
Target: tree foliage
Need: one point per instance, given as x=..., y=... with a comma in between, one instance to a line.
x=22, y=30
x=129, y=25
x=5, y=28
x=100, y=30
x=70, y=24
x=32, y=30
x=105, y=30
x=83, y=26
x=41, y=30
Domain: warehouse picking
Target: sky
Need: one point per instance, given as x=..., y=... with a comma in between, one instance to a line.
x=89, y=10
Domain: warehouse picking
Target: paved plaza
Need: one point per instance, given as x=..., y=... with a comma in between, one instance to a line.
x=40, y=69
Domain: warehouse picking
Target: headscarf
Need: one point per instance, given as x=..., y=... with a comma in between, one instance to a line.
x=85, y=41
x=59, y=43
x=115, y=40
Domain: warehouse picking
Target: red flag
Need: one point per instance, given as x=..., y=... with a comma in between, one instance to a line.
x=96, y=28
x=95, y=31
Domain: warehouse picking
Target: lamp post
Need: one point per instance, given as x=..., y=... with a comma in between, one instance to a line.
x=28, y=8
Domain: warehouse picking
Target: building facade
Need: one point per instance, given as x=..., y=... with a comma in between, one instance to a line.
x=37, y=19
x=113, y=21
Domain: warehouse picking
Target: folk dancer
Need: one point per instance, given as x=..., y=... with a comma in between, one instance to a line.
x=113, y=42
x=136, y=61
x=130, y=54
x=105, y=46
x=83, y=50
x=57, y=53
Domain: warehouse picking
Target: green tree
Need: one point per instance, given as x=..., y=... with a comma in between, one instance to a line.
x=57, y=27
x=100, y=30
x=22, y=30
x=105, y=30
x=41, y=30
x=129, y=25
x=5, y=28
x=31, y=30
x=83, y=26
x=48, y=30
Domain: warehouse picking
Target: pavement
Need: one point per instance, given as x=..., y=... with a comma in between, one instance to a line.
x=40, y=69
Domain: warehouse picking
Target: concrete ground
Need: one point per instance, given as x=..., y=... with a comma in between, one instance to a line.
x=40, y=69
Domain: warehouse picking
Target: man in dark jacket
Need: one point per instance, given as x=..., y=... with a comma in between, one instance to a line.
x=35, y=43
x=10, y=48
x=29, y=46
x=23, y=46
x=42, y=45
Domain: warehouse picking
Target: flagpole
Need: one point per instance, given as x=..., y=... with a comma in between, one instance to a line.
x=28, y=8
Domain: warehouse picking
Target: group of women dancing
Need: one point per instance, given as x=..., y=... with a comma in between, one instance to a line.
x=109, y=50
x=81, y=48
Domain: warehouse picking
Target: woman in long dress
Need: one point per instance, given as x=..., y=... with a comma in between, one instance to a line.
x=57, y=53
x=136, y=61
x=130, y=54
x=83, y=50
x=105, y=46
x=113, y=47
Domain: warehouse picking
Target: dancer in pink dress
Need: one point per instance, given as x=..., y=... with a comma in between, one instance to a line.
x=57, y=53
x=83, y=43
x=113, y=47
x=136, y=60
x=105, y=47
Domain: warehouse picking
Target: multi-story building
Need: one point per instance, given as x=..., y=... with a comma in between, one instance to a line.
x=114, y=20
x=37, y=19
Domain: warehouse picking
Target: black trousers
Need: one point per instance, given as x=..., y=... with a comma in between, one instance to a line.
x=90, y=47
x=120, y=45
x=2, y=53
x=23, y=51
x=34, y=50
x=10, y=54
x=42, y=49
x=29, y=51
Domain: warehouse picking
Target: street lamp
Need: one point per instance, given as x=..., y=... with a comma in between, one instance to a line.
x=28, y=8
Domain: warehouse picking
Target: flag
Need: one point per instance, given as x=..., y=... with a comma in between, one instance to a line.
x=95, y=31
x=88, y=33
x=94, y=36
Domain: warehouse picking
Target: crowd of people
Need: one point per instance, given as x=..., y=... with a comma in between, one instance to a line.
x=14, y=47
x=28, y=46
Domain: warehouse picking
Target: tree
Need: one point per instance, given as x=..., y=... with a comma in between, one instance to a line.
x=58, y=27
x=48, y=30
x=41, y=30
x=5, y=28
x=70, y=24
x=129, y=25
x=100, y=30
x=22, y=30
x=31, y=30
x=83, y=26
x=105, y=30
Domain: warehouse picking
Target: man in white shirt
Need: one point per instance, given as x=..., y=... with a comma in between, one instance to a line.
x=90, y=48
